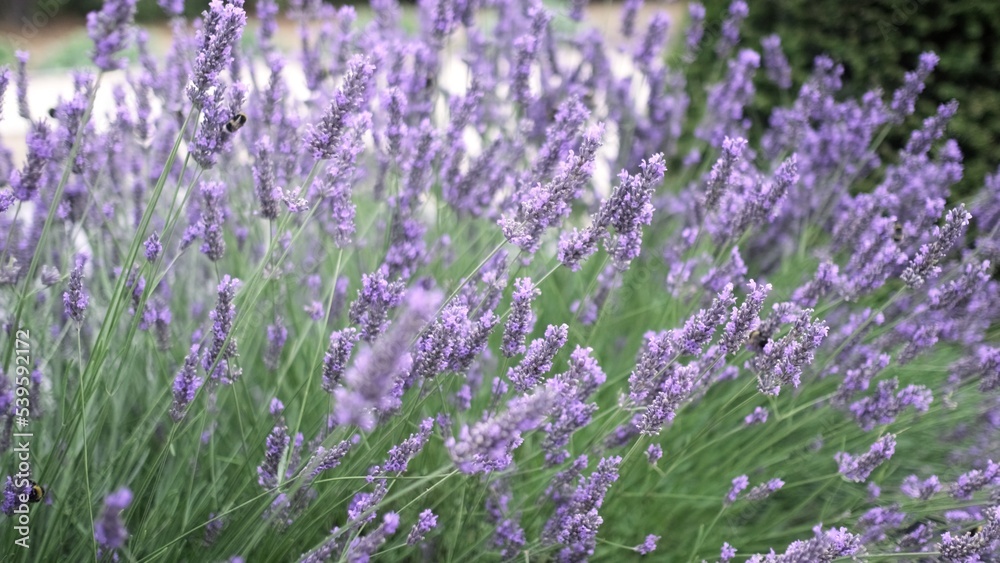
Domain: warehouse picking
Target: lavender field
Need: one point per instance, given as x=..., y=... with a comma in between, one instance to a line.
x=476, y=281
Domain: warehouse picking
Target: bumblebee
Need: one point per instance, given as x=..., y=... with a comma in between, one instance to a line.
x=897, y=232
x=37, y=493
x=757, y=340
x=52, y=112
x=237, y=121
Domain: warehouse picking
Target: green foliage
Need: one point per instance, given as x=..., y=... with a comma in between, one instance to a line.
x=877, y=42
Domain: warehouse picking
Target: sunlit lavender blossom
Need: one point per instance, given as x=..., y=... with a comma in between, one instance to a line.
x=925, y=263
x=537, y=360
x=109, y=528
x=186, y=385
x=521, y=319
x=110, y=29
x=75, y=299
x=325, y=138
x=426, y=522
x=221, y=29
x=858, y=468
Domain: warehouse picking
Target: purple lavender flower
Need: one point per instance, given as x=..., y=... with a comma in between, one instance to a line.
x=764, y=490
x=109, y=529
x=153, y=247
x=653, y=453
x=361, y=549
x=21, y=82
x=575, y=523
x=75, y=299
x=173, y=8
x=213, y=138
x=186, y=385
x=858, y=468
x=775, y=62
x=110, y=30
x=652, y=43
x=274, y=449
x=277, y=334
x=376, y=298
x=648, y=546
x=720, y=180
x=629, y=208
x=41, y=151
x=739, y=483
x=537, y=360
x=969, y=548
x=886, y=404
x=223, y=352
x=695, y=30
x=674, y=389
x=904, y=98
x=975, y=480
x=925, y=263
x=913, y=487
x=758, y=416
x=738, y=11
x=209, y=226
x=727, y=100
x=488, y=445
x=426, y=522
x=629, y=10
x=335, y=361
x=745, y=318
x=265, y=183
x=373, y=385
x=521, y=319
x=699, y=329
x=727, y=552
x=325, y=138
x=221, y=29
x=781, y=361
x=11, y=493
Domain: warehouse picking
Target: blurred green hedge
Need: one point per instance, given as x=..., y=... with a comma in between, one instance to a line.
x=877, y=41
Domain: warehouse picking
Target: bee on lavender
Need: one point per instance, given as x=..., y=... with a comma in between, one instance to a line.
x=37, y=493
x=237, y=121
x=897, y=232
x=757, y=340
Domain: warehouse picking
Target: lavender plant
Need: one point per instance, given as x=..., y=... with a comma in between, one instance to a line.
x=483, y=288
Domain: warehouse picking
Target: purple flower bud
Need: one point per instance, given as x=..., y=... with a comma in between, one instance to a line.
x=221, y=29
x=775, y=62
x=75, y=299
x=913, y=487
x=764, y=490
x=153, y=247
x=925, y=263
x=521, y=319
x=758, y=416
x=739, y=483
x=648, y=546
x=653, y=453
x=186, y=385
x=537, y=360
x=222, y=352
x=325, y=137
x=335, y=361
x=904, y=98
x=745, y=318
x=720, y=180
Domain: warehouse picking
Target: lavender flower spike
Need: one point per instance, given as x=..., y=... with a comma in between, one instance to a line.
x=222, y=27
x=739, y=483
x=325, y=138
x=576, y=523
x=109, y=530
x=222, y=352
x=925, y=263
x=75, y=299
x=538, y=359
x=110, y=30
x=963, y=547
x=276, y=444
x=521, y=319
x=904, y=98
x=720, y=179
x=335, y=361
x=426, y=522
x=186, y=384
x=858, y=469
x=745, y=318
